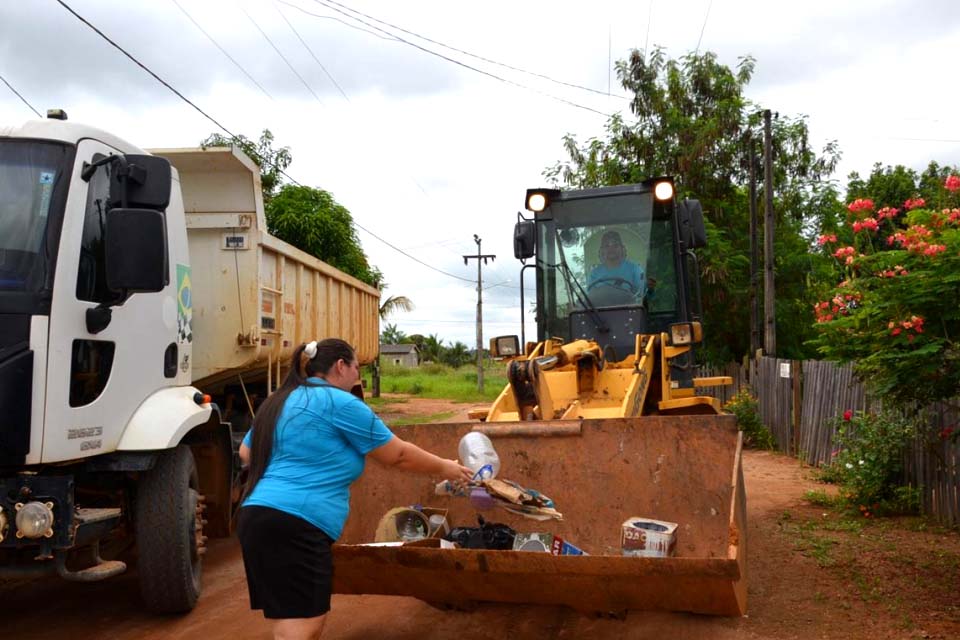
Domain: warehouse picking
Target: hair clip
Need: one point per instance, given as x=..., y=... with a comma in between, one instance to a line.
x=311, y=349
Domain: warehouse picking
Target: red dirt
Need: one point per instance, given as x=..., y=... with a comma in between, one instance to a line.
x=813, y=574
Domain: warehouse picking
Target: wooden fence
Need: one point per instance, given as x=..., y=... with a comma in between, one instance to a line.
x=800, y=400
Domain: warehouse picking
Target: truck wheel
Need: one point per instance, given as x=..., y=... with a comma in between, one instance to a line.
x=168, y=533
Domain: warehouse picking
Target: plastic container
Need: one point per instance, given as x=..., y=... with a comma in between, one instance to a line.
x=477, y=454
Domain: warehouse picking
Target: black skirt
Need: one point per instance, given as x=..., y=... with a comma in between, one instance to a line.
x=288, y=563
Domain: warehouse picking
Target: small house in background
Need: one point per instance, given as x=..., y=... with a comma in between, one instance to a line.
x=402, y=355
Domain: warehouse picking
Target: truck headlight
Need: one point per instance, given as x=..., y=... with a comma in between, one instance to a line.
x=34, y=519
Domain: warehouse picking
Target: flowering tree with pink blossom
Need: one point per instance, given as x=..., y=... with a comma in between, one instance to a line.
x=896, y=310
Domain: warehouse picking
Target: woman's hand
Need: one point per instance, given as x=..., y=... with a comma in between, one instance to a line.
x=456, y=472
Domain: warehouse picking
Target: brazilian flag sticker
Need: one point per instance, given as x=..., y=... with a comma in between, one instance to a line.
x=184, y=305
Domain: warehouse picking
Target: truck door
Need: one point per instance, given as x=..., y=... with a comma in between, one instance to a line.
x=96, y=381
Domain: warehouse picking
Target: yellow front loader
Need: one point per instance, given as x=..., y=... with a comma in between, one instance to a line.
x=603, y=413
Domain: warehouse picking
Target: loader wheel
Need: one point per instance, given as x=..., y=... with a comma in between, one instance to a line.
x=169, y=533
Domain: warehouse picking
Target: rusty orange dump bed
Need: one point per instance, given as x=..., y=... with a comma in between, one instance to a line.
x=599, y=473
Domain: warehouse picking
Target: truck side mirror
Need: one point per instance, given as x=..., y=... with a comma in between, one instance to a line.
x=135, y=244
x=692, y=230
x=140, y=182
x=524, y=239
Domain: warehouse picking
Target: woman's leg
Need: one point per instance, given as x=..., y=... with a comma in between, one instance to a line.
x=298, y=628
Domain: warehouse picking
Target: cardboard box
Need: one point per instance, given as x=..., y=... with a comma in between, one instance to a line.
x=648, y=538
x=561, y=547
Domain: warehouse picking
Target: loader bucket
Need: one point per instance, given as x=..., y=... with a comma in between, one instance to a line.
x=681, y=469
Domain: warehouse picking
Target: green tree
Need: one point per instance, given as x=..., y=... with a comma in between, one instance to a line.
x=392, y=335
x=432, y=348
x=456, y=355
x=691, y=120
x=312, y=220
x=895, y=313
x=272, y=162
x=395, y=303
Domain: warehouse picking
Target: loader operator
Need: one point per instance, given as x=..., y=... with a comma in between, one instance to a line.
x=615, y=272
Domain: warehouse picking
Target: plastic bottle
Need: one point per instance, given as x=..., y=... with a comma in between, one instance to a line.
x=477, y=454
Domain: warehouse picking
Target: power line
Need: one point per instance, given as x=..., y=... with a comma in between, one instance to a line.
x=231, y=134
x=343, y=22
x=17, y=93
x=279, y=53
x=703, y=28
x=332, y=79
x=465, y=65
x=145, y=68
x=312, y=55
x=474, y=55
x=222, y=50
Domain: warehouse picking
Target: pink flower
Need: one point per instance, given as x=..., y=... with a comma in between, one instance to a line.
x=825, y=238
x=952, y=183
x=847, y=415
x=860, y=204
x=914, y=203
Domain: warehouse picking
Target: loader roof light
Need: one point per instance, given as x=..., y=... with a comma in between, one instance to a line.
x=537, y=202
x=34, y=520
x=539, y=199
x=684, y=333
x=663, y=191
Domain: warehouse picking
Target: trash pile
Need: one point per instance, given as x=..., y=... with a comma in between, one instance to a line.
x=639, y=537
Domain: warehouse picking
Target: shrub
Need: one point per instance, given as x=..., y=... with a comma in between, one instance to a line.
x=869, y=462
x=745, y=407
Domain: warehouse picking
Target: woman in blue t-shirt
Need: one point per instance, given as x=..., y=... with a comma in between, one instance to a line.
x=308, y=444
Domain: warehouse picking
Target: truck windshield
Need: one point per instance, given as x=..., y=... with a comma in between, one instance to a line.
x=34, y=177
x=602, y=252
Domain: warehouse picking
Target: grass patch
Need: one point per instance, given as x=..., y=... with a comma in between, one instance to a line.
x=440, y=381
x=821, y=498
x=420, y=419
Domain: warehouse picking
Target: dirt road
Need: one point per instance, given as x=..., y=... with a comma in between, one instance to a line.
x=813, y=575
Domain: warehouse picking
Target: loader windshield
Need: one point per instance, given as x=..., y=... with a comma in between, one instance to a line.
x=606, y=252
x=33, y=184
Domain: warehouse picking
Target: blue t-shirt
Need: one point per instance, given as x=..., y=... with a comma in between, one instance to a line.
x=626, y=270
x=321, y=439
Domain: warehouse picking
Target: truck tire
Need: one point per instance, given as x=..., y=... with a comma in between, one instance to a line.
x=168, y=533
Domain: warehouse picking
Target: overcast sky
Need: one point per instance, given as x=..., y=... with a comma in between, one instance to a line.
x=426, y=153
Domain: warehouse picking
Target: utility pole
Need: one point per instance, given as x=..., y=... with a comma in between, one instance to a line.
x=754, y=250
x=769, y=297
x=478, y=258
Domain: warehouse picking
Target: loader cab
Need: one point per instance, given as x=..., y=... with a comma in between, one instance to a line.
x=611, y=262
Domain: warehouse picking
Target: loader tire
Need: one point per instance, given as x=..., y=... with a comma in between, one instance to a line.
x=168, y=534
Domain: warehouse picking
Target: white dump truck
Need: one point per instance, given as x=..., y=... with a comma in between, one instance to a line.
x=144, y=309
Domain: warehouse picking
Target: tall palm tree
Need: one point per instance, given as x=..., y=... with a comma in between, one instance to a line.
x=395, y=303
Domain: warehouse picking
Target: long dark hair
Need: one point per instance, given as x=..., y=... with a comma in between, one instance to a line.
x=329, y=351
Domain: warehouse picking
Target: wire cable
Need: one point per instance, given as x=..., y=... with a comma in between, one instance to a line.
x=474, y=55
x=234, y=136
x=282, y=57
x=467, y=66
x=145, y=68
x=703, y=28
x=341, y=21
x=312, y=54
x=222, y=50
x=17, y=93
